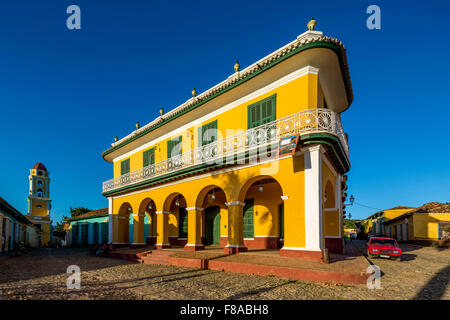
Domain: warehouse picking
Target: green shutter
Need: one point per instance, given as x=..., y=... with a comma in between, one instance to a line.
x=248, y=219
x=125, y=167
x=96, y=233
x=104, y=232
x=84, y=233
x=261, y=112
x=148, y=157
x=182, y=223
x=207, y=133
x=75, y=233
x=172, y=151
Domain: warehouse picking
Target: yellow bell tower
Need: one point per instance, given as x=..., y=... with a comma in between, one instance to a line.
x=39, y=203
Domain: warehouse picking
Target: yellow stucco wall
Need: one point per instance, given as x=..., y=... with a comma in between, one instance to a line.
x=426, y=225
x=288, y=172
x=295, y=96
x=331, y=223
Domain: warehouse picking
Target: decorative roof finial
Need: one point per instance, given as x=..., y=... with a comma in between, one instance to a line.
x=194, y=93
x=137, y=125
x=116, y=139
x=161, y=111
x=311, y=24
x=237, y=67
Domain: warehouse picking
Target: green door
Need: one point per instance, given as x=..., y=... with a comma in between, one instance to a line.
x=248, y=219
x=183, y=223
x=212, y=217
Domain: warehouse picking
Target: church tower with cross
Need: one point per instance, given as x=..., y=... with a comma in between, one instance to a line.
x=39, y=203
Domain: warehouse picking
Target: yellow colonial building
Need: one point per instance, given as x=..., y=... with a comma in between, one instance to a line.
x=428, y=223
x=375, y=223
x=257, y=161
x=39, y=203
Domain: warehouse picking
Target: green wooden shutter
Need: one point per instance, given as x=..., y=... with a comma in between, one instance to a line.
x=148, y=157
x=172, y=151
x=75, y=233
x=104, y=232
x=207, y=133
x=248, y=219
x=182, y=223
x=125, y=167
x=84, y=234
x=96, y=233
x=261, y=112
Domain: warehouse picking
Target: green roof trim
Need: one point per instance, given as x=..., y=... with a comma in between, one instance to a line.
x=316, y=44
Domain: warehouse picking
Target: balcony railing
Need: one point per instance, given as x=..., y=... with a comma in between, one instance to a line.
x=304, y=122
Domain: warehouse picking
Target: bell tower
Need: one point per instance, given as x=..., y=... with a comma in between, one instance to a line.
x=39, y=203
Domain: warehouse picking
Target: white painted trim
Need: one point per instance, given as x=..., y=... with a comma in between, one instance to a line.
x=249, y=238
x=278, y=83
x=193, y=245
x=166, y=212
x=235, y=203
x=300, y=249
x=313, y=198
x=111, y=219
x=195, y=208
x=284, y=197
x=138, y=215
x=330, y=209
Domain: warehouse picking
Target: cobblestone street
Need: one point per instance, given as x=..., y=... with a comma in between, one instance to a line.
x=41, y=274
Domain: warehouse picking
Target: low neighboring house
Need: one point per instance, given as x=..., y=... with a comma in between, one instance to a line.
x=88, y=228
x=16, y=227
x=374, y=222
x=428, y=223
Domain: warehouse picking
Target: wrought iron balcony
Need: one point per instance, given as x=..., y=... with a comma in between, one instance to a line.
x=305, y=122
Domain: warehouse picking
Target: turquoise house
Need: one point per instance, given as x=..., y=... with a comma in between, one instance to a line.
x=89, y=228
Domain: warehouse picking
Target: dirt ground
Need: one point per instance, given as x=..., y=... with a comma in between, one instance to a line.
x=42, y=274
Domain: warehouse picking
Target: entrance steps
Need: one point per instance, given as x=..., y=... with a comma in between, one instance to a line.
x=156, y=257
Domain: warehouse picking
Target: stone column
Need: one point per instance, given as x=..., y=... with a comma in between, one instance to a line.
x=194, y=229
x=162, y=234
x=138, y=229
x=235, y=227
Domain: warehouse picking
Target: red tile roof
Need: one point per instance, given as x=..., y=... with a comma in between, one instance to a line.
x=39, y=166
x=91, y=214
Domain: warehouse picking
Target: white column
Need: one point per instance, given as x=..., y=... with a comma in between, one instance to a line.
x=313, y=199
x=110, y=220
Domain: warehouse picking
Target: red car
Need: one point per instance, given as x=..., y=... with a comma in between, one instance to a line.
x=384, y=248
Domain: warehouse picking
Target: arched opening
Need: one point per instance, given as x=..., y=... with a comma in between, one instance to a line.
x=147, y=216
x=263, y=213
x=331, y=220
x=125, y=228
x=214, y=216
x=178, y=219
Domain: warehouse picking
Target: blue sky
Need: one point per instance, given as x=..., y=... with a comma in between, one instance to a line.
x=65, y=94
